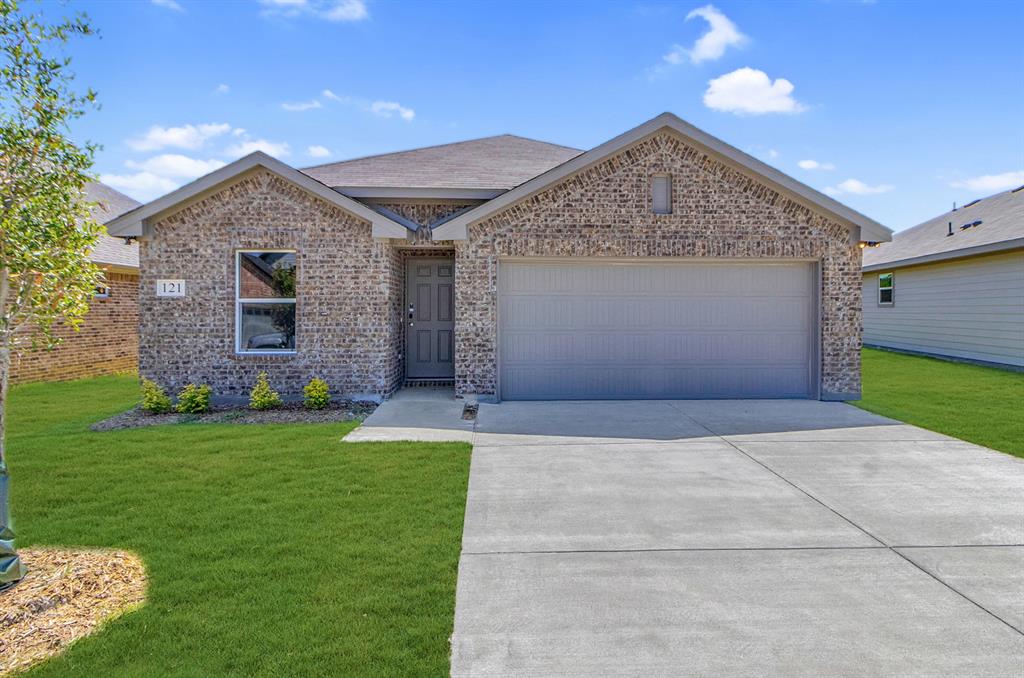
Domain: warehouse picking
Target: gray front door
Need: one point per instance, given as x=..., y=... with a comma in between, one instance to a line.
x=430, y=319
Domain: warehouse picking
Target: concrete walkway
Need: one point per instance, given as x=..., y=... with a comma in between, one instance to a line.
x=734, y=538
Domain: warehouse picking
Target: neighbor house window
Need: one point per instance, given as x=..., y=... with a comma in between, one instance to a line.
x=265, y=301
x=102, y=291
x=661, y=194
x=885, y=289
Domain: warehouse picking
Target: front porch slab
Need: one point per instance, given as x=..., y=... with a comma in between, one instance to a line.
x=424, y=414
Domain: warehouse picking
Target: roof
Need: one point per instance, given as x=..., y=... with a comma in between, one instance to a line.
x=1001, y=227
x=869, y=229
x=135, y=222
x=111, y=204
x=492, y=164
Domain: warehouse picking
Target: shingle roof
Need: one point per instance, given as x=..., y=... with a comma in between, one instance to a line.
x=496, y=163
x=112, y=203
x=1001, y=226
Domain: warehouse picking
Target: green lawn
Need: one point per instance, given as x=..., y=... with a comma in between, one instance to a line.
x=271, y=550
x=980, y=404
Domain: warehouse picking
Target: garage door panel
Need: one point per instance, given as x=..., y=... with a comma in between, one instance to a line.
x=655, y=330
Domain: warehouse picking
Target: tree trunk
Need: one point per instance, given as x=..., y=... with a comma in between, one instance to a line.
x=11, y=567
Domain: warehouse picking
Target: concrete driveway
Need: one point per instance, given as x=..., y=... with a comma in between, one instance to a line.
x=735, y=538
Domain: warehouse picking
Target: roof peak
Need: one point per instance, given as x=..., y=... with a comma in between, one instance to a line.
x=443, y=145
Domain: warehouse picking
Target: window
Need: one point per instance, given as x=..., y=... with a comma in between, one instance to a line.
x=102, y=291
x=265, y=301
x=886, y=290
x=661, y=194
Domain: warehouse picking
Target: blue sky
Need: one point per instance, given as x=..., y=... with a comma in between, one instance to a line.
x=896, y=108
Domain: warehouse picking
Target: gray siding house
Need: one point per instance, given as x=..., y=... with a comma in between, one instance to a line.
x=661, y=263
x=952, y=286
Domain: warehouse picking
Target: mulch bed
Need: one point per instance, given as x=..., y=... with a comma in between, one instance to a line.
x=66, y=594
x=289, y=413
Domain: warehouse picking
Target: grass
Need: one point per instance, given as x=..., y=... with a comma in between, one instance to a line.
x=272, y=550
x=982, y=405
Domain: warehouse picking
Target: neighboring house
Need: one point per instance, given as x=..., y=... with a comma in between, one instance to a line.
x=107, y=340
x=952, y=286
x=663, y=263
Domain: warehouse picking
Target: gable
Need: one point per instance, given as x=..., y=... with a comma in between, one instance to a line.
x=136, y=223
x=702, y=149
x=612, y=199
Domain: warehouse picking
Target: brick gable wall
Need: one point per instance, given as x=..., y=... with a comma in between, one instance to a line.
x=107, y=341
x=605, y=211
x=348, y=293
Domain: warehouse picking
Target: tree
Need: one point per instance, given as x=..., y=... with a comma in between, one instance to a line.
x=46, y=230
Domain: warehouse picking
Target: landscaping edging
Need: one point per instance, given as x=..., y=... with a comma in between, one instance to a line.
x=289, y=413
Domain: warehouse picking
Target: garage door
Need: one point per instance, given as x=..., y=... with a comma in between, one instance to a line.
x=598, y=330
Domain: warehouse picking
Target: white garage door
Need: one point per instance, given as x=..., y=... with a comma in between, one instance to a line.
x=597, y=330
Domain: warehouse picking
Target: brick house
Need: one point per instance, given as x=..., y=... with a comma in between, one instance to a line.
x=107, y=341
x=662, y=263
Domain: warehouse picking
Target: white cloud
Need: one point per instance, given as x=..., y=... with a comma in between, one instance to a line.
x=346, y=10
x=750, y=91
x=380, y=108
x=189, y=137
x=143, y=186
x=222, y=89
x=721, y=35
x=273, y=148
x=168, y=4
x=772, y=154
x=329, y=10
x=992, y=182
x=815, y=165
x=387, y=109
x=317, y=151
x=172, y=165
x=857, y=187
x=300, y=106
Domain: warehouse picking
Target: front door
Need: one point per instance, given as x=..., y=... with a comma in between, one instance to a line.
x=430, y=319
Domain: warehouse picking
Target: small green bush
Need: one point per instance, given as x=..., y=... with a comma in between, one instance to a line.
x=154, y=399
x=194, y=399
x=262, y=397
x=318, y=396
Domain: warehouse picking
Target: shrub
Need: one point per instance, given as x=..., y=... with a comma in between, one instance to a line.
x=194, y=399
x=262, y=397
x=318, y=396
x=154, y=399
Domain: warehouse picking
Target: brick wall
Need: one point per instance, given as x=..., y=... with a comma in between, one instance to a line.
x=605, y=211
x=348, y=293
x=107, y=341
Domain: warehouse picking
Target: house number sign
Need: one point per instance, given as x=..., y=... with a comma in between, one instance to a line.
x=170, y=288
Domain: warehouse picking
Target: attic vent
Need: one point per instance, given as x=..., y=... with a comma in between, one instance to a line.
x=973, y=202
x=661, y=194
x=1019, y=188
x=970, y=225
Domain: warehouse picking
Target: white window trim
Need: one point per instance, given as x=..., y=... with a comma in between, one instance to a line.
x=245, y=300
x=891, y=288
